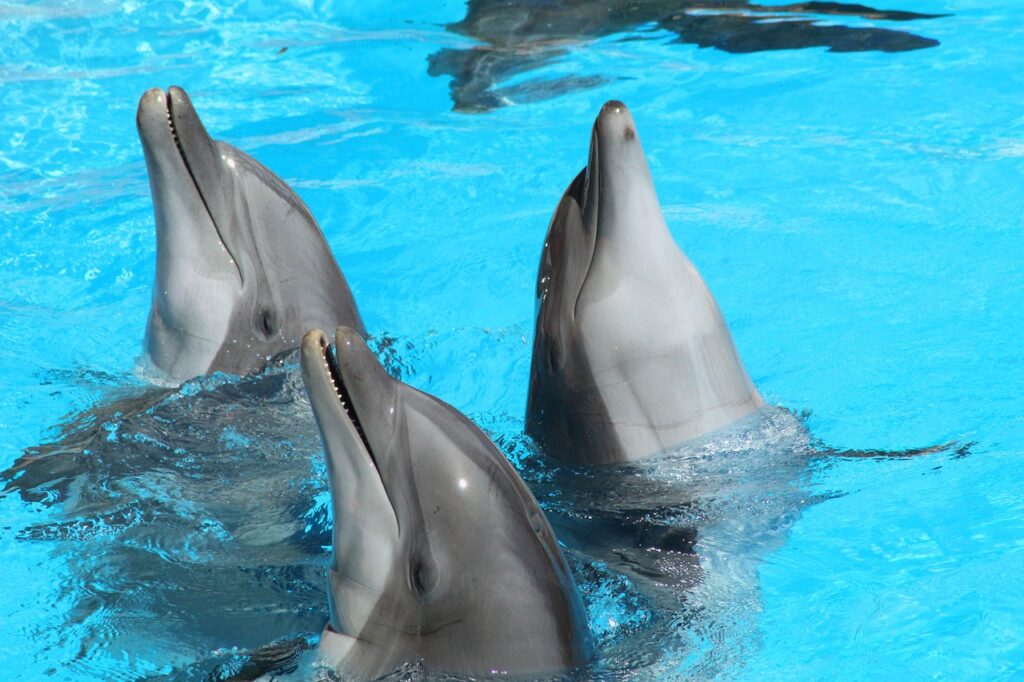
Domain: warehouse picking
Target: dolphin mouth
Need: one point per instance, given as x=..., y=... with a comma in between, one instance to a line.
x=173, y=128
x=166, y=118
x=175, y=135
x=177, y=140
x=341, y=391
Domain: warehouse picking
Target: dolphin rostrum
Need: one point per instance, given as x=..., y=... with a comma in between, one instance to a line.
x=631, y=355
x=242, y=269
x=441, y=553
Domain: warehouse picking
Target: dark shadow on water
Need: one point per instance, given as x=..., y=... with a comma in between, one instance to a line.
x=519, y=37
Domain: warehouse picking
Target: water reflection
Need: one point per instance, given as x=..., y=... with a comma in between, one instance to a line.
x=690, y=530
x=194, y=525
x=519, y=37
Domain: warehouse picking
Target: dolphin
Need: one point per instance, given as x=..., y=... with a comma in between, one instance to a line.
x=441, y=553
x=631, y=354
x=242, y=269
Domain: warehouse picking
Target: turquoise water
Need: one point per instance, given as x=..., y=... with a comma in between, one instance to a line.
x=858, y=216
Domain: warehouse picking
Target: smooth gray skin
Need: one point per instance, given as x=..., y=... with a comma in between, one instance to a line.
x=631, y=355
x=242, y=269
x=441, y=553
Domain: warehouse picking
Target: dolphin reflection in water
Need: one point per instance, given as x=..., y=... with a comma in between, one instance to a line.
x=193, y=523
x=520, y=37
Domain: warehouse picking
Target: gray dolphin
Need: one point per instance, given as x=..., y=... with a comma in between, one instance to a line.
x=441, y=553
x=242, y=269
x=631, y=354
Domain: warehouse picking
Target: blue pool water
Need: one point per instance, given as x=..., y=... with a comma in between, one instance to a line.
x=857, y=214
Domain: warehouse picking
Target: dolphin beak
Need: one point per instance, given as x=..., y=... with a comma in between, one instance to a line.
x=614, y=145
x=159, y=139
x=185, y=168
x=201, y=156
x=365, y=534
x=354, y=401
x=614, y=119
x=619, y=184
x=328, y=392
x=340, y=387
x=170, y=129
x=613, y=127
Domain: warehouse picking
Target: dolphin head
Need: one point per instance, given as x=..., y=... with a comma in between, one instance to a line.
x=631, y=354
x=440, y=551
x=242, y=267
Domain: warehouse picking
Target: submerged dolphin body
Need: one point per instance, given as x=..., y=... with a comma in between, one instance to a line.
x=631, y=354
x=441, y=553
x=242, y=268
x=515, y=38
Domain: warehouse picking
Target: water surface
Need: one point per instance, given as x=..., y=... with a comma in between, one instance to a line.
x=857, y=214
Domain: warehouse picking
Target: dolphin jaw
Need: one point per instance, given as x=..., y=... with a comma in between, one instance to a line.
x=366, y=531
x=153, y=103
x=174, y=136
x=338, y=383
x=331, y=399
x=622, y=206
x=153, y=99
x=190, y=111
x=173, y=128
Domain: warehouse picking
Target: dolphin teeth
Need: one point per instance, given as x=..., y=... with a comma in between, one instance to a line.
x=174, y=131
x=335, y=377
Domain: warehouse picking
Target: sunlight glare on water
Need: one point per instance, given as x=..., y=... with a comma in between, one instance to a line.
x=857, y=214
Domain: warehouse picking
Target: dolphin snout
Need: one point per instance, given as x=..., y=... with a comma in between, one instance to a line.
x=152, y=106
x=314, y=339
x=614, y=107
x=152, y=97
x=178, y=99
x=615, y=122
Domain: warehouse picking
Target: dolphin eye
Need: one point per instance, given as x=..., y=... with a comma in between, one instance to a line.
x=422, y=576
x=267, y=323
x=552, y=358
